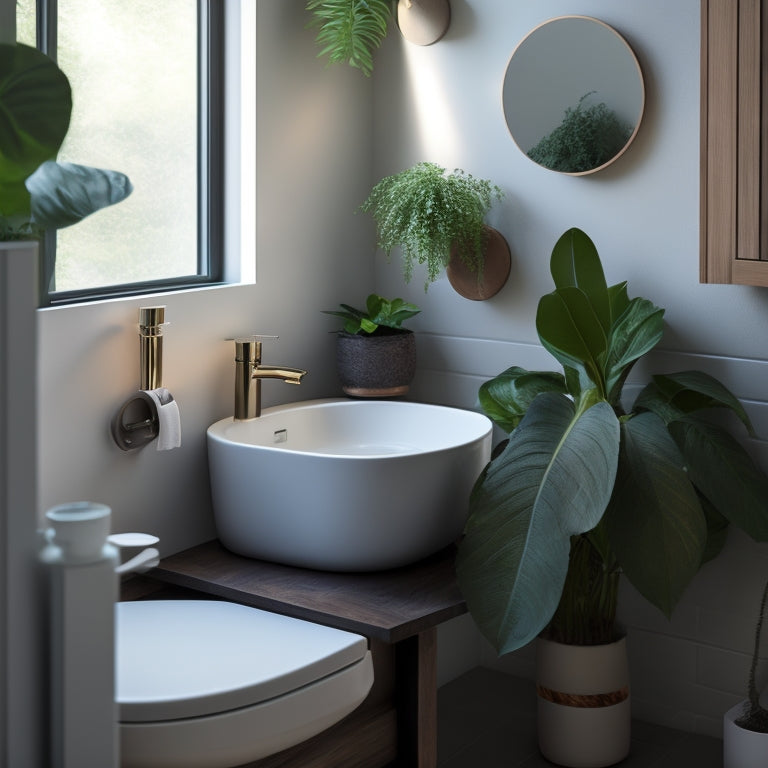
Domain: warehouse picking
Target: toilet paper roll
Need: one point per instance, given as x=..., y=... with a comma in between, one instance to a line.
x=168, y=419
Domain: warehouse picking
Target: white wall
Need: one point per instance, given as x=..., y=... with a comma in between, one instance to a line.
x=313, y=157
x=443, y=104
x=319, y=130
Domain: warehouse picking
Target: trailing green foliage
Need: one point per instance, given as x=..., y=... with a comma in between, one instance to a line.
x=585, y=491
x=350, y=30
x=379, y=312
x=427, y=212
x=588, y=137
x=37, y=193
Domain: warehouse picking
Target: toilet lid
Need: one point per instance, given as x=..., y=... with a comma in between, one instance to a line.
x=188, y=658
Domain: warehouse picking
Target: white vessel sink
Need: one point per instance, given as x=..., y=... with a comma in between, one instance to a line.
x=345, y=485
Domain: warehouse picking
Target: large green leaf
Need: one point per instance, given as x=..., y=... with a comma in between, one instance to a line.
x=64, y=193
x=655, y=522
x=35, y=106
x=653, y=400
x=687, y=392
x=618, y=298
x=571, y=331
x=724, y=472
x=14, y=201
x=636, y=332
x=553, y=480
x=717, y=529
x=505, y=398
x=575, y=263
x=396, y=313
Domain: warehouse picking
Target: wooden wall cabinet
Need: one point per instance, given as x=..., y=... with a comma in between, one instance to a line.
x=734, y=124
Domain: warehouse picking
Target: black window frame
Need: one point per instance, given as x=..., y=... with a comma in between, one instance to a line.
x=210, y=165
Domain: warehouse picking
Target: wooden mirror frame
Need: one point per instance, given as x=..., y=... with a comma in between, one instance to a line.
x=734, y=143
x=515, y=87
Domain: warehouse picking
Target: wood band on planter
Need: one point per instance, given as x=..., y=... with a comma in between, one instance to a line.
x=588, y=700
x=583, y=699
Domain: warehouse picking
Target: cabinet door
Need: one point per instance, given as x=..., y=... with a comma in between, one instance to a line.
x=734, y=120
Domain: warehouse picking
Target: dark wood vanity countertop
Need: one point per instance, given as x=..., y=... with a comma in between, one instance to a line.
x=386, y=605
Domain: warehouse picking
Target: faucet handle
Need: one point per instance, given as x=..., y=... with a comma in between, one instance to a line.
x=248, y=348
x=252, y=337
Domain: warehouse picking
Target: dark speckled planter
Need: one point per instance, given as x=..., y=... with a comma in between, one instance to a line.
x=376, y=366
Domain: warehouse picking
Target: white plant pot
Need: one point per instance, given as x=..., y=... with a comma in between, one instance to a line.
x=742, y=748
x=584, y=718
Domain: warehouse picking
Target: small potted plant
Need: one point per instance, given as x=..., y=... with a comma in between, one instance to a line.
x=745, y=726
x=585, y=490
x=375, y=355
x=437, y=219
x=37, y=193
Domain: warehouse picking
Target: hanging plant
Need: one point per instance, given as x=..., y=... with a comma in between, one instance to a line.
x=428, y=212
x=350, y=30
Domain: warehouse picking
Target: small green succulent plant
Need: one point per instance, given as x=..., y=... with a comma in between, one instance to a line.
x=379, y=313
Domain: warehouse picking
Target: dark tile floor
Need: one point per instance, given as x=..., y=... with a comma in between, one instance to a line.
x=485, y=720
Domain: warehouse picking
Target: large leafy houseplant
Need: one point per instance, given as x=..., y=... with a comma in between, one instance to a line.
x=428, y=212
x=585, y=490
x=36, y=192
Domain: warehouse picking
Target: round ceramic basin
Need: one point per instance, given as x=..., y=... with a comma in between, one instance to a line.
x=345, y=485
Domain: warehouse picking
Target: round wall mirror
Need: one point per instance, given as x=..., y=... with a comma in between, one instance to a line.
x=573, y=95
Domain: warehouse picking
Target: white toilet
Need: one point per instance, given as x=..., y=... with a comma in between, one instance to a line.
x=209, y=684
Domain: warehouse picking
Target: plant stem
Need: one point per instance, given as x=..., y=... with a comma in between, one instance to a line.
x=586, y=614
x=754, y=694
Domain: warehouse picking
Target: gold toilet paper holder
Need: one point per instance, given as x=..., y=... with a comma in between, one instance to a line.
x=136, y=422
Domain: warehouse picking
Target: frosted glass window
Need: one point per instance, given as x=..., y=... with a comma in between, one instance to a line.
x=133, y=71
x=25, y=22
x=133, y=66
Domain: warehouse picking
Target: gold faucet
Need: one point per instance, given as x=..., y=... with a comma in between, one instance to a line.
x=248, y=375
